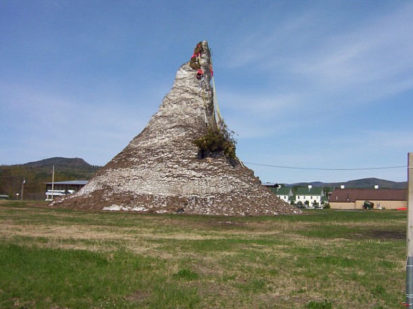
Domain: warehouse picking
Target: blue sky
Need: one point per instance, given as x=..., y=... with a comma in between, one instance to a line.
x=302, y=83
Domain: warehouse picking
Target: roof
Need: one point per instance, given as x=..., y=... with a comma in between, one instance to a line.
x=70, y=182
x=307, y=191
x=351, y=195
x=281, y=191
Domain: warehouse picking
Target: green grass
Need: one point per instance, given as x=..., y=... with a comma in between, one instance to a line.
x=322, y=259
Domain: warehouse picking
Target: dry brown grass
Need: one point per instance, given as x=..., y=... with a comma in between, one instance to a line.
x=285, y=262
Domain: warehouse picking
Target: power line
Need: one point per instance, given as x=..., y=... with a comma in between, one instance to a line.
x=328, y=169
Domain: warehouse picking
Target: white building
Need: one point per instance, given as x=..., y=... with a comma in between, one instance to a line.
x=310, y=197
x=283, y=193
x=62, y=188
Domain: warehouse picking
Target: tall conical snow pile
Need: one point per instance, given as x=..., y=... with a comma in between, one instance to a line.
x=161, y=171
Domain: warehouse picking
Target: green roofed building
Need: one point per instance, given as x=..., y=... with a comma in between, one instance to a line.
x=284, y=193
x=310, y=197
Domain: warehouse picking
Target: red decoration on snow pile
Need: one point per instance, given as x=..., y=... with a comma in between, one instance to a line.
x=199, y=74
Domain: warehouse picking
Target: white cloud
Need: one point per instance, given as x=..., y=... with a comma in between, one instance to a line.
x=262, y=104
x=358, y=64
x=265, y=47
x=387, y=140
x=380, y=51
x=43, y=125
x=262, y=115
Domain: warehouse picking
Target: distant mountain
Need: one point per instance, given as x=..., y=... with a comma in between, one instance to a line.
x=359, y=183
x=38, y=173
x=60, y=162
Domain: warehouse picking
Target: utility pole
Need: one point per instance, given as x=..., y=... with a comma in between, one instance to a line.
x=53, y=183
x=22, y=189
x=409, y=264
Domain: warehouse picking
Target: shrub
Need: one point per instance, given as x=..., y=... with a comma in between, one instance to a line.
x=215, y=142
x=327, y=206
x=368, y=205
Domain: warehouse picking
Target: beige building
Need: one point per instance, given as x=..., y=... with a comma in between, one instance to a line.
x=355, y=198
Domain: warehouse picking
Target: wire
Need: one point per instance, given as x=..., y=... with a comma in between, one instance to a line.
x=328, y=169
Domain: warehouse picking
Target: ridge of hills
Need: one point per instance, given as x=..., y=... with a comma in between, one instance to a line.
x=357, y=183
x=37, y=173
x=60, y=162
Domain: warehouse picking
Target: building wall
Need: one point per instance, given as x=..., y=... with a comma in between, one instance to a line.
x=309, y=198
x=383, y=204
x=359, y=204
x=343, y=205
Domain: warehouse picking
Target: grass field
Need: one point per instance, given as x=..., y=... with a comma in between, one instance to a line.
x=57, y=258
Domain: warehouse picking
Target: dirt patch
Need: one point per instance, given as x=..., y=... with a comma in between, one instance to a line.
x=377, y=234
x=92, y=232
x=370, y=223
x=229, y=223
x=224, y=224
x=383, y=234
x=138, y=296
